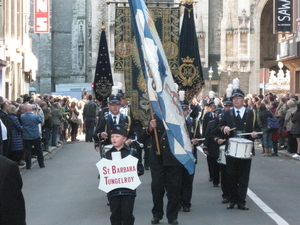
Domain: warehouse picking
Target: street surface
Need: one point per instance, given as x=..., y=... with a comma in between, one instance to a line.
x=66, y=193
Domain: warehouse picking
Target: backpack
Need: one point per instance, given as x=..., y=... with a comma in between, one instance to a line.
x=272, y=124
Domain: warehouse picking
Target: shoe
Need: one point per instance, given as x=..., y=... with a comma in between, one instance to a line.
x=21, y=163
x=186, y=209
x=216, y=185
x=225, y=201
x=173, y=222
x=296, y=156
x=231, y=205
x=43, y=166
x=243, y=207
x=146, y=167
x=155, y=220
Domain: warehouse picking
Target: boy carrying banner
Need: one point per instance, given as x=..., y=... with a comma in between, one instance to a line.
x=121, y=200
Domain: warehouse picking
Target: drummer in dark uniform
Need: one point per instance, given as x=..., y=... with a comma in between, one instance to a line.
x=243, y=120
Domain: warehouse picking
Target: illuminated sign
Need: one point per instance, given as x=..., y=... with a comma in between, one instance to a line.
x=41, y=16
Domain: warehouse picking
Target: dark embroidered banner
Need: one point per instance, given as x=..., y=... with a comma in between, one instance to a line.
x=103, y=78
x=190, y=75
x=127, y=62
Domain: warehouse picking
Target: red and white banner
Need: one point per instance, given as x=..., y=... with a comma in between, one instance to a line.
x=118, y=174
x=41, y=16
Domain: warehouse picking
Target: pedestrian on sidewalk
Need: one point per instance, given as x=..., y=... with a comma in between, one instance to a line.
x=31, y=135
x=295, y=131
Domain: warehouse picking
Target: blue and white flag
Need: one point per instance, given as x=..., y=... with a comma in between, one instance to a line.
x=161, y=87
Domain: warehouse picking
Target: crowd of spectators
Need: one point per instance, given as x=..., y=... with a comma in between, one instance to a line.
x=282, y=107
x=30, y=124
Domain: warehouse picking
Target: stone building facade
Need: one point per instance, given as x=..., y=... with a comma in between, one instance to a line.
x=65, y=53
x=235, y=39
x=17, y=63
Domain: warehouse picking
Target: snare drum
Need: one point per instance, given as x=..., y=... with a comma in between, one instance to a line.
x=222, y=158
x=240, y=148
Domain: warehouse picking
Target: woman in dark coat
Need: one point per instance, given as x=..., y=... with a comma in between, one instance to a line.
x=295, y=131
x=16, y=144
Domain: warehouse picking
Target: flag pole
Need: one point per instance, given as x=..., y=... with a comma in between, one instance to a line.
x=154, y=130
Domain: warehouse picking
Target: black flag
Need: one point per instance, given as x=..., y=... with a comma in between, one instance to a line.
x=190, y=74
x=103, y=78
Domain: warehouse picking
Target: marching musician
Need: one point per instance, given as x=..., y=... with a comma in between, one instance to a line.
x=193, y=129
x=110, y=117
x=211, y=149
x=235, y=121
x=219, y=139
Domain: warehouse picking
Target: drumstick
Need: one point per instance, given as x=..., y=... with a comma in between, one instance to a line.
x=241, y=134
x=199, y=139
x=232, y=129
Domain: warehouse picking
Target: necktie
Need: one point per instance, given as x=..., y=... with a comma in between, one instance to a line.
x=238, y=114
x=115, y=120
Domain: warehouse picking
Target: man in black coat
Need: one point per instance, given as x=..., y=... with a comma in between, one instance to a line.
x=238, y=169
x=12, y=205
x=89, y=118
x=193, y=129
x=166, y=174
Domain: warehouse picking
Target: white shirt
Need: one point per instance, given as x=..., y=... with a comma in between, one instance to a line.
x=4, y=131
x=117, y=117
x=242, y=111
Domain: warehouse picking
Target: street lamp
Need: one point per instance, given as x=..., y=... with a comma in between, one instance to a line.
x=219, y=70
x=210, y=73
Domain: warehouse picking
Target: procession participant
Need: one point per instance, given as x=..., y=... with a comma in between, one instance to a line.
x=193, y=129
x=238, y=170
x=219, y=137
x=166, y=173
x=109, y=118
x=211, y=149
x=209, y=116
x=121, y=200
x=89, y=118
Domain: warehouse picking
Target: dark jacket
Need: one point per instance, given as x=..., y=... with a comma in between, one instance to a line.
x=105, y=124
x=125, y=151
x=263, y=116
x=193, y=129
x=16, y=133
x=248, y=122
x=209, y=142
x=12, y=205
x=89, y=110
x=56, y=116
x=296, y=121
x=166, y=157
